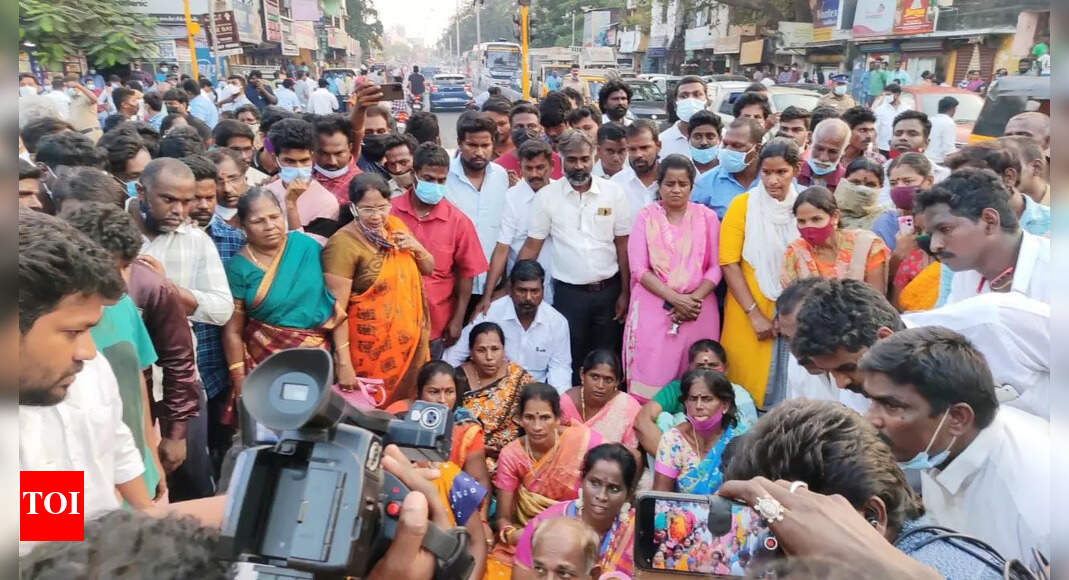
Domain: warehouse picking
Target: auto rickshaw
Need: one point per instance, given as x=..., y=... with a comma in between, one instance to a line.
x=1007, y=97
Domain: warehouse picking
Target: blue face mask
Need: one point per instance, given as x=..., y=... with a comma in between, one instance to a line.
x=429, y=192
x=288, y=174
x=704, y=156
x=732, y=161
x=820, y=167
x=131, y=188
x=685, y=108
x=921, y=460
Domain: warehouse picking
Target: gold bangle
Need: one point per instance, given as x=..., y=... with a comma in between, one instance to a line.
x=236, y=366
x=342, y=345
x=751, y=307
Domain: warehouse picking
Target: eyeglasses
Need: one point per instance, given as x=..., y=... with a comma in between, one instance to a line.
x=384, y=208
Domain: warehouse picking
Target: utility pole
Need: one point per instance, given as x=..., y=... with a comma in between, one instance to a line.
x=478, y=23
x=525, y=41
x=573, y=29
x=458, y=29
x=191, y=30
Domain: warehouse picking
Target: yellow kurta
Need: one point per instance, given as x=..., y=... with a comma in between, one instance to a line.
x=748, y=358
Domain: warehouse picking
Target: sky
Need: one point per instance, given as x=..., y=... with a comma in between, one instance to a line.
x=424, y=18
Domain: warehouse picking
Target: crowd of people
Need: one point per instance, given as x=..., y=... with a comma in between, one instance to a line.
x=791, y=309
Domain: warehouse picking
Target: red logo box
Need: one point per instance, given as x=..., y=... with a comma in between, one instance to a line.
x=51, y=506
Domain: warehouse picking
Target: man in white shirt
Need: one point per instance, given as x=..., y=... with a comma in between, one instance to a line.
x=985, y=470
x=612, y=151
x=188, y=257
x=322, y=101
x=59, y=97
x=889, y=108
x=639, y=181
x=536, y=165
x=287, y=99
x=477, y=186
x=944, y=131
x=691, y=97
x=536, y=335
x=589, y=219
x=975, y=233
x=70, y=413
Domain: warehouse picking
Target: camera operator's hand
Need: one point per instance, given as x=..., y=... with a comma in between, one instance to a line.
x=405, y=557
x=417, y=479
x=816, y=525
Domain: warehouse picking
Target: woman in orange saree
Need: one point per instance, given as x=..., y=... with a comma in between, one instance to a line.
x=374, y=264
x=535, y=471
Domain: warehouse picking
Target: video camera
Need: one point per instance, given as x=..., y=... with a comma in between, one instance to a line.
x=317, y=503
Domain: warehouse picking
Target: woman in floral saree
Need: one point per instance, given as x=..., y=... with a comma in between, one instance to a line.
x=280, y=298
x=537, y=470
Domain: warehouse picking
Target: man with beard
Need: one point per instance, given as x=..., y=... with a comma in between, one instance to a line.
x=639, y=181
x=377, y=126
x=230, y=184
x=239, y=138
x=228, y=240
x=525, y=120
x=450, y=237
x=186, y=255
x=910, y=134
x=70, y=413
x=536, y=166
x=477, y=186
x=536, y=334
x=589, y=219
x=822, y=166
x=614, y=100
x=498, y=109
x=400, y=150
x=335, y=165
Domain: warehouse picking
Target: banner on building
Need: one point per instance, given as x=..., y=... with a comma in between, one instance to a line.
x=873, y=18
x=727, y=44
x=272, y=21
x=632, y=41
x=165, y=11
x=289, y=45
x=166, y=50
x=304, y=35
x=225, y=30
x=826, y=14
x=914, y=17
x=247, y=21
x=752, y=52
x=697, y=39
x=796, y=33
x=304, y=10
x=595, y=27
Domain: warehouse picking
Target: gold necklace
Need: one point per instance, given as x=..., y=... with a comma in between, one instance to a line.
x=252, y=254
x=527, y=446
x=697, y=444
x=582, y=402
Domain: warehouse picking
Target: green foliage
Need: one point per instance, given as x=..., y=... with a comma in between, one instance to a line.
x=551, y=20
x=101, y=31
x=364, y=24
x=495, y=21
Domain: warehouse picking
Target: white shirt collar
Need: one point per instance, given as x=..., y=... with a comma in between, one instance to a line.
x=971, y=459
x=510, y=312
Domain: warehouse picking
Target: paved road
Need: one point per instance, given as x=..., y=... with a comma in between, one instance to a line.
x=447, y=128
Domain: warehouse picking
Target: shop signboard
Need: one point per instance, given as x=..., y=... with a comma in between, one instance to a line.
x=289, y=45
x=873, y=18
x=727, y=44
x=697, y=38
x=595, y=27
x=272, y=21
x=247, y=21
x=225, y=30
x=752, y=52
x=305, y=10
x=304, y=35
x=914, y=17
x=796, y=33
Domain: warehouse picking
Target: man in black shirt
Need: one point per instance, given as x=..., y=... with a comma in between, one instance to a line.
x=416, y=85
x=258, y=92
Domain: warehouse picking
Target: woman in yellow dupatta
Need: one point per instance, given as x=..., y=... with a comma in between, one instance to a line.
x=280, y=298
x=537, y=470
x=374, y=265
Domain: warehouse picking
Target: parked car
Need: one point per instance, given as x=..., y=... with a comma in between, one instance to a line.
x=925, y=98
x=647, y=101
x=1007, y=97
x=722, y=97
x=448, y=91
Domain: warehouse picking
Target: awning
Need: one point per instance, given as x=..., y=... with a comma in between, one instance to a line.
x=921, y=46
x=877, y=47
x=826, y=44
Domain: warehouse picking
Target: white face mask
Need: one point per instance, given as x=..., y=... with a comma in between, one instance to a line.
x=27, y=91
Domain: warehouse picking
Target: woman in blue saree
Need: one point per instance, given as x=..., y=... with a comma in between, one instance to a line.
x=688, y=457
x=280, y=298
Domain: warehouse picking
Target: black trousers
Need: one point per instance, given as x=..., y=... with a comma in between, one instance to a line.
x=589, y=310
x=194, y=478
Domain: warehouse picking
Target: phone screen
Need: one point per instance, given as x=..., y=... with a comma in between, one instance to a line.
x=392, y=92
x=675, y=534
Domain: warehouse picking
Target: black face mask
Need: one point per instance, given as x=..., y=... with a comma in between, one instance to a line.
x=521, y=134
x=374, y=146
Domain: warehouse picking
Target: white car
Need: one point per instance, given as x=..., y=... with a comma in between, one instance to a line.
x=722, y=97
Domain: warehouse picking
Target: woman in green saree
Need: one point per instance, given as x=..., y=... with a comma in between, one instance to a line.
x=280, y=298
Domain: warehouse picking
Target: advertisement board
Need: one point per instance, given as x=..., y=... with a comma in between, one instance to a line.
x=304, y=35
x=796, y=33
x=873, y=18
x=914, y=17
x=305, y=10
x=272, y=21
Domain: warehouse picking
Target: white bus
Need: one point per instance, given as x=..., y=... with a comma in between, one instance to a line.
x=493, y=63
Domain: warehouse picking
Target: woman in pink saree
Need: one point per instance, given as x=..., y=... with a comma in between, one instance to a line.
x=598, y=404
x=674, y=256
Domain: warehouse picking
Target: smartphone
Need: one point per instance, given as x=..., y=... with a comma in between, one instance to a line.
x=905, y=224
x=392, y=92
x=700, y=535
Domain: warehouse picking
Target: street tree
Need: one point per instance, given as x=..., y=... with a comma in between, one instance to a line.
x=54, y=30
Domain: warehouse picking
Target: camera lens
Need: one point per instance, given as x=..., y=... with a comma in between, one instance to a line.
x=430, y=418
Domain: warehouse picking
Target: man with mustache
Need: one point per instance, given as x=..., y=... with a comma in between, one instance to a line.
x=525, y=121
x=974, y=232
x=187, y=256
x=614, y=99
x=589, y=219
x=335, y=165
x=70, y=413
x=477, y=186
x=536, y=334
x=639, y=180
x=862, y=122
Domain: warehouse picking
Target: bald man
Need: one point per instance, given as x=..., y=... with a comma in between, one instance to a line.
x=824, y=163
x=563, y=547
x=1032, y=124
x=187, y=256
